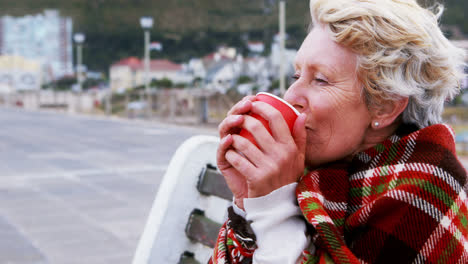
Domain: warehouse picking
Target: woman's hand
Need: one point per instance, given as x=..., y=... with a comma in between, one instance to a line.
x=232, y=125
x=279, y=159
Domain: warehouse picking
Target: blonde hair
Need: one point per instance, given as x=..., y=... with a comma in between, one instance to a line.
x=401, y=52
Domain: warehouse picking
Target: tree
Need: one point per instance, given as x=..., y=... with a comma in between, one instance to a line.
x=244, y=79
x=162, y=83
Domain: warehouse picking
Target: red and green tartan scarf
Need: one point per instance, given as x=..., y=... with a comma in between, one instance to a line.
x=401, y=201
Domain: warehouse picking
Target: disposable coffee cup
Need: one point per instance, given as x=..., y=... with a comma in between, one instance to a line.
x=288, y=112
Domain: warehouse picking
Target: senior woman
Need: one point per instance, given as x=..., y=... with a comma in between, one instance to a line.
x=382, y=183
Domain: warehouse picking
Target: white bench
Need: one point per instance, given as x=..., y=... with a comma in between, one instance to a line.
x=187, y=213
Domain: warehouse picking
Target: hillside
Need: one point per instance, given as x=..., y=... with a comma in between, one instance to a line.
x=174, y=16
x=186, y=28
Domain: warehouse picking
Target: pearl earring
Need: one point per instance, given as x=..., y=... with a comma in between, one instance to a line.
x=376, y=124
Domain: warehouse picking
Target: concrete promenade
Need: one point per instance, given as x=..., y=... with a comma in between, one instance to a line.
x=77, y=189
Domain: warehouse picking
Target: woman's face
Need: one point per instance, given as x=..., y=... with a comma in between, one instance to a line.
x=327, y=90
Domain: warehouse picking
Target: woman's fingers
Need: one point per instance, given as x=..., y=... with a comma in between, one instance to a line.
x=235, y=180
x=230, y=125
x=223, y=147
x=243, y=106
x=253, y=171
x=240, y=163
x=278, y=125
x=280, y=132
x=248, y=149
x=258, y=131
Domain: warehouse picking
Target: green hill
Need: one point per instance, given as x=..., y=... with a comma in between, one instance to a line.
x=187, y=28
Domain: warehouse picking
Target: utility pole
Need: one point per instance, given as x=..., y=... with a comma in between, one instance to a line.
x=149, y=107
x=109, y=102
x=282, y=37
x=79, y=39
x=147, y=23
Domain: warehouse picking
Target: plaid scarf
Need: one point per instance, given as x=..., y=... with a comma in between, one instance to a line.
x=401, y=201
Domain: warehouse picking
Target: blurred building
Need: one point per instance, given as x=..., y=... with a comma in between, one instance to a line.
x=46, y=38
x=196, y=68
x=464, y=45
x=222, y=75
x=461, y=44
x=276, y=59
x=256, y=47
x=18, y=73
x=129, y=73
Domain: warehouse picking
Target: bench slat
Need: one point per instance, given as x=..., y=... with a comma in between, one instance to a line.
x=211, y=182
x=188, y=258
x=202, y=229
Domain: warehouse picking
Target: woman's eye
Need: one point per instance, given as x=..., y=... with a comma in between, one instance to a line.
x=321, y=81
x=295, y=76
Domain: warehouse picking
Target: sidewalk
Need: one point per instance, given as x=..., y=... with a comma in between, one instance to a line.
x=78, y=189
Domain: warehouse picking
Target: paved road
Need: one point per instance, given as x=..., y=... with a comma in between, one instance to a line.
x=78, y=189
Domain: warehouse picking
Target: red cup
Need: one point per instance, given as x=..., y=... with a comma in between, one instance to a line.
x=289, y=113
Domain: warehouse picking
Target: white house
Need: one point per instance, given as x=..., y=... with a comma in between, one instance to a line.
x=164, y=69
x=222, y=75
x=256, y=47
x=196, y=68
x=288, y=59
x=464, y=45
x=130, y=72
x=122, y=74
x=258, y=68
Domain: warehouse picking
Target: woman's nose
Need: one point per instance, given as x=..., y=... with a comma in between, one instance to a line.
x=294, y=96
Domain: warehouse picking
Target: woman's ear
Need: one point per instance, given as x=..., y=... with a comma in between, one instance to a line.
x=385, y=114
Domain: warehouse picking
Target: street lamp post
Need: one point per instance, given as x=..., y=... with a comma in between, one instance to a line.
x=282, y=37
x=79, y=38
x=146, y=23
